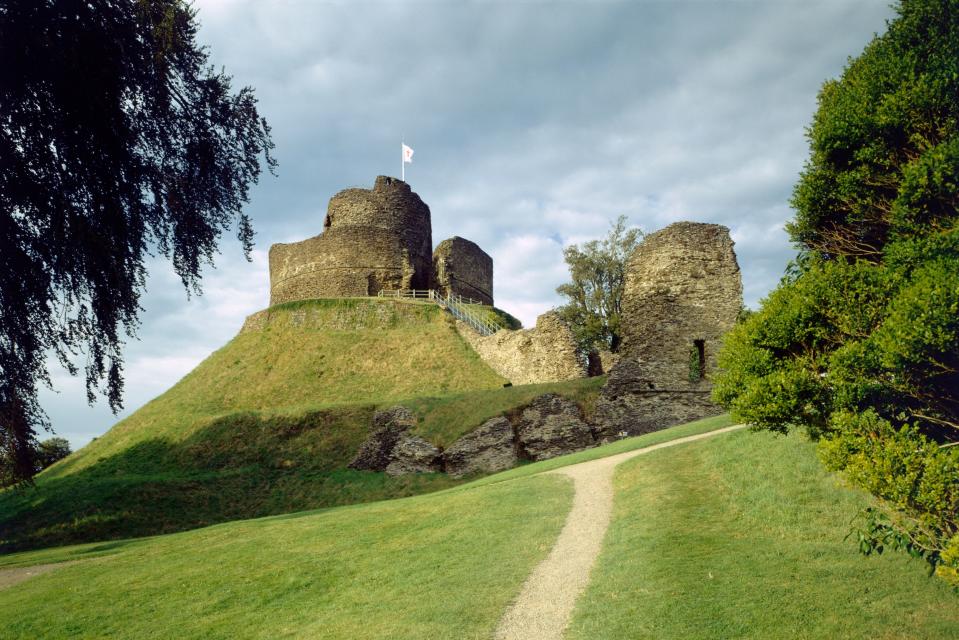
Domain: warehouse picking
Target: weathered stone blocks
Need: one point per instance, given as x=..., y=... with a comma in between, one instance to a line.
x=530, y=356
x=373, y=239
x=461, y=268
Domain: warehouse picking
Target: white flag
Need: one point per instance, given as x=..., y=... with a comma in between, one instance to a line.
x=407, y=154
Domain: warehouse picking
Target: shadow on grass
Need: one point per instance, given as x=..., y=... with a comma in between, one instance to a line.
x=238, y=466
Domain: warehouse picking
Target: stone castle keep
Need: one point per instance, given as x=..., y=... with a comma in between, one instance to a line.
x=374, y=240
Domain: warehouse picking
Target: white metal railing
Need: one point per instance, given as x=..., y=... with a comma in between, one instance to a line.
x=457, y=306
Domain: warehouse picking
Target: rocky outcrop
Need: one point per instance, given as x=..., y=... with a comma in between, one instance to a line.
x=391, y=448
x=552, y=426
x=388, y=426
x=487, y=449
x=549, y=426
x=413, y=454
x=530, y=356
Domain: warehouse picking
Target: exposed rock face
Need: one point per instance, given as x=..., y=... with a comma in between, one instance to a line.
x=683, y=291
x=460, y=267
x=487, y=449
x=374, y=239
x=549, y=426
x=529, y=356
x=388, y=427
x=413, y=454
x=552, y=426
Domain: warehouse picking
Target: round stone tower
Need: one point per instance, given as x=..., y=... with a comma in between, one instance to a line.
x=373, y=239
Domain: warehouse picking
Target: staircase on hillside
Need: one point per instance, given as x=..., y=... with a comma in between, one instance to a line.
x=457, y=306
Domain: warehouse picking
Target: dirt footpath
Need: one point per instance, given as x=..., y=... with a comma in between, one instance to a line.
x=544, y=606
x=10, y=577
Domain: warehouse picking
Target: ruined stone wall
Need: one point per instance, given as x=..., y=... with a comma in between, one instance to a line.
x=373, y=239
x=683, y=292
x=529, y=356
x=460, y=267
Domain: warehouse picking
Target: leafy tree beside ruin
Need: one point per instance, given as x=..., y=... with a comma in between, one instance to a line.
x=594, y=294
x=860, y=342
x=117, y=140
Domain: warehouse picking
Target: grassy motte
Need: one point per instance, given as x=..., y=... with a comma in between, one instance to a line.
x=268, y=424
x=304, y=356
x=742, y=536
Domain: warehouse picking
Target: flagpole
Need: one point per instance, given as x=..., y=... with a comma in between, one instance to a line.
x=402, y=159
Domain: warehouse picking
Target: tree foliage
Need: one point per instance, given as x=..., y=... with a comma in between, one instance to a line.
x=597, y=272
x=51, y=450
x=117, y=140
x=860, y=342
x=47, y=452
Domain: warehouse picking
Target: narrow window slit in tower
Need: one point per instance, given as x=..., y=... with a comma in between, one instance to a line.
x=701, y=353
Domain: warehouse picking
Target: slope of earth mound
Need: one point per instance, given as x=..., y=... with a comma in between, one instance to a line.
x=267, y=425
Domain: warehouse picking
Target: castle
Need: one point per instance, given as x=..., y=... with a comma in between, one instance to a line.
x=374, y=240
x=683, y=292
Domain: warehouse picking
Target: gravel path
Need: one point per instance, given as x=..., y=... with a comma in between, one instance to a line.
x=544, y=606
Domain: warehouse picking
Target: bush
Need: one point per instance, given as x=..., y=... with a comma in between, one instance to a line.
x=860, y=342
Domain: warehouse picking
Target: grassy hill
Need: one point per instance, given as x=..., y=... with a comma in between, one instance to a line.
x=268, y=423
x=740, y=536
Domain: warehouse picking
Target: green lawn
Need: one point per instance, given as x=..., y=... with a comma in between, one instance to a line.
x=440, y=566
x=741, y=536
x=738, y=536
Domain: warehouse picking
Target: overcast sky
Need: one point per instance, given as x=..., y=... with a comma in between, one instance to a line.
x=534, y=125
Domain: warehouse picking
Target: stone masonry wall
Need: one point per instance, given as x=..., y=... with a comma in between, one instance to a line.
x=460, y=267
x=529, y=356
x=683, y=291
x=327, y=265
x=683, y=285
x=374, y=239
